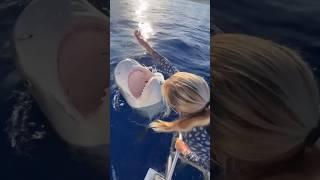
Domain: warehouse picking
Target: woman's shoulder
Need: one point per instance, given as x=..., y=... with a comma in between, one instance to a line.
x=198, y=133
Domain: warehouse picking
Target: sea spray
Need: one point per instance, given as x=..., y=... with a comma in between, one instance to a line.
x=21, y=130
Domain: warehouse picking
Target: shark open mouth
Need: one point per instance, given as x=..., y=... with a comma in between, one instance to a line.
x=83, y=65
x=140, y=87
x=137, y=81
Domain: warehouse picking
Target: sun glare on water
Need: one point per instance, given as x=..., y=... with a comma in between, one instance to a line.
x=144, y=25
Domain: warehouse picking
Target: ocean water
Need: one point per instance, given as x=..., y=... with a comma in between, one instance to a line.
x=29, y=147
x=293, y=23
x=180, y=31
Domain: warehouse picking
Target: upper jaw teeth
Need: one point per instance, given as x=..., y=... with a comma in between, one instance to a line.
x=144, y=87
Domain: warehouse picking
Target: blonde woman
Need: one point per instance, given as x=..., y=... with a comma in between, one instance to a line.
x=188, y=95
x=266, y=111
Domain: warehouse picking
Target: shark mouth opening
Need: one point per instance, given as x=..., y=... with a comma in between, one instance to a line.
x=83, y=65
x=137, y=81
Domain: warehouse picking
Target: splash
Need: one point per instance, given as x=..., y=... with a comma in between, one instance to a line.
x=20, y=129
x=113, y=172
x=117, y=102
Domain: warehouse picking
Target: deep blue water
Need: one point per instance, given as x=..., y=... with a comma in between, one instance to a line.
x=293, y=23
x=29, y=147
x=180, y=32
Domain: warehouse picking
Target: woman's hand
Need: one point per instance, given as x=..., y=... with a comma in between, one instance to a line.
x=142, y=42
x=182, y=147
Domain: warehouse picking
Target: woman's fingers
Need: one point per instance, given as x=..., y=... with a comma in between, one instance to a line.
x=181, y=146
x=179, y=143
x=138, y=35
x=141, y=40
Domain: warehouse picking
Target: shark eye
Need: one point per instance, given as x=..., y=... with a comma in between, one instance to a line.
x=27, y=84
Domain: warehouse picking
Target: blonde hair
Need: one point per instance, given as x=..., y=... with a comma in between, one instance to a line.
x=187, y=94
x=265, y=101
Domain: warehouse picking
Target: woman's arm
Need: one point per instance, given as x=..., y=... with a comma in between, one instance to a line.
x=143, y=43
x=163, y=62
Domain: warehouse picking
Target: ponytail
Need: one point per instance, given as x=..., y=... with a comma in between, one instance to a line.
x=184, y=124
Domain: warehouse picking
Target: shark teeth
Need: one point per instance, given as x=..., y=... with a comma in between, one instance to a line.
x=144, y=88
